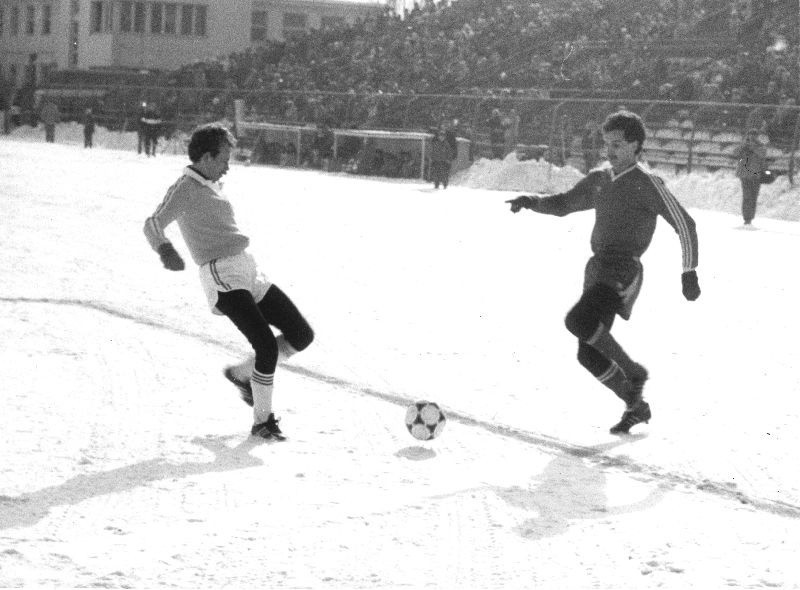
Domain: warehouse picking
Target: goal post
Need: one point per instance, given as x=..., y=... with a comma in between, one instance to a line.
x=393, y=141
x=389, y=138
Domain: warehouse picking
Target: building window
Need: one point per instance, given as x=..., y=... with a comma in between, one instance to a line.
x=96, y=17
x=258, y=26
x=139, y=16
x=170, y=18
x=125, y=16
x=200, y=19
x=47, y=16
x=186, y=19
x=332, y=22
x=30, y=19
x=72, y=58
x=293, y=23
x=15, y=20
x=156, y=15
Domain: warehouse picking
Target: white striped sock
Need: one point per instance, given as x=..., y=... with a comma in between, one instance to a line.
x=262, y=395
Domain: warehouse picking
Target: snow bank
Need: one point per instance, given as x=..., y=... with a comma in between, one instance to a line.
x=714, y=191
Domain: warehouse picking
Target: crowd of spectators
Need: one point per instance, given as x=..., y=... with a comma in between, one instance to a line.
x=412, y=66
x=585, y=46
x=439, y=60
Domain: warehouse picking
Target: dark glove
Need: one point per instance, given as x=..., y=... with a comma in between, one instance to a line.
x=691, y=289
x=523, y=202
x=170, y=257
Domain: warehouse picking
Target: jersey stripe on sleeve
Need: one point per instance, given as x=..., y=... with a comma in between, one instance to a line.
x=161, y=217
x=680, y=223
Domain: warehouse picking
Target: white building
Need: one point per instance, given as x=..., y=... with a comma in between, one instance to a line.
x=36, y=35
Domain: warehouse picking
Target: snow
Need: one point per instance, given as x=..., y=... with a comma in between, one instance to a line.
x=126, y=456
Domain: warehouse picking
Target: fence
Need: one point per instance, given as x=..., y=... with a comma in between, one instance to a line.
x=682, y=135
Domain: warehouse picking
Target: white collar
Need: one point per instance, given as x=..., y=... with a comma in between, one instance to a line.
x=195, y=175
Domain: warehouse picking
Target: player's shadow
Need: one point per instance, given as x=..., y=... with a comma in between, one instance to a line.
x=27, y=509
x=571, y=487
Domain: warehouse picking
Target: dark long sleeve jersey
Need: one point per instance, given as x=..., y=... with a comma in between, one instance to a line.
x=627, y=206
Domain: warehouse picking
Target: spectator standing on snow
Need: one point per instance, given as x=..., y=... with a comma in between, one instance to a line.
x=151, y=128
x=441, y=159
x=88, y=128
x=140, y=128
x=49, y=116
x=751, y=163
x=627, y=199
x=230, y=277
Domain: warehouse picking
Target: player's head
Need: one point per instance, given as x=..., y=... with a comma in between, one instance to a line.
x=630, y=124
x=210, y=149
x=623, y=135
x=209, y=138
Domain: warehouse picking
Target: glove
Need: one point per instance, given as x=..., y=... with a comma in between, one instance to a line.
x=691, y=289
x=523, y=202
x=170, y=257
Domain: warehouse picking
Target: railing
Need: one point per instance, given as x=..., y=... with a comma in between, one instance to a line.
x=684, y=135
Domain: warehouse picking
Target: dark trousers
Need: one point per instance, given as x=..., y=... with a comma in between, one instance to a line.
x=254, y=320
x=150, y=142
x=49, y=132
x=750, y=189
x=440, y=173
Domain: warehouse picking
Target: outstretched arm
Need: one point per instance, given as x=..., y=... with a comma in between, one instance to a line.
x=523, y=202
x=578, y=198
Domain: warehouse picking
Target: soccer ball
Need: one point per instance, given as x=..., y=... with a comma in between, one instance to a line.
x=425, y=420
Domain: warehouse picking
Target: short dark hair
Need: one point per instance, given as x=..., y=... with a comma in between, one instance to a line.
x=208, y=139
x=629, y=123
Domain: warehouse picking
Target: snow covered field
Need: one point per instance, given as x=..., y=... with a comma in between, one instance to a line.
x=126, y=460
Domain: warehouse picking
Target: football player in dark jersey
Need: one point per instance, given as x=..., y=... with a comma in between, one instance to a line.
x=627, y=199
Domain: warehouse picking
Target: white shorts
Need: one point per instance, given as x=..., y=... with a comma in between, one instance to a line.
x=231, y=273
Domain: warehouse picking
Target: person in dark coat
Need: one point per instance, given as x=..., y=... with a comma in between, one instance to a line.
x=88, y=128
x=151, y=128
x=140, y=128
x=751, y=162
x=50, y=115
x=441, y=160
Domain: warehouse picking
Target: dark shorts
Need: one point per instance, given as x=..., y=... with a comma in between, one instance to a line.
x=622, y=274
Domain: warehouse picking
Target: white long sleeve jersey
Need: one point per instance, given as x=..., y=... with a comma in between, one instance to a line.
x=204, y=216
